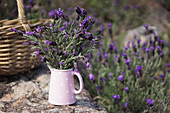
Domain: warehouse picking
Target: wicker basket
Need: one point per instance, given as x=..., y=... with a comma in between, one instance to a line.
x=14, y=55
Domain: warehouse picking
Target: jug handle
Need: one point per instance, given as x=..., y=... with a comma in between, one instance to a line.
x=81, y=83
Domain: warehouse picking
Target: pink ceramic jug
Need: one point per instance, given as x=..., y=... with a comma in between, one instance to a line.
x=61, y=89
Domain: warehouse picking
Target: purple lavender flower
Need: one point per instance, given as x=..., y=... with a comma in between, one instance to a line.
x=138, y=41
x=36, y=53
x=87, y=33
x=66, y=25
x=47, y=42
x=125, y=106
x=134, y=47
x=74, y=53
x=109, y=25
x=126, y=48
x=110, y=75
x=89, y=55
x=153, y=50
x=110, y=30
x=61, y=63
x=57, y=13
x=66, y=35
x=60, y=12
x=139, y=68
x=102, y=27
x=147, y=50
x=150, y=102
x=83, y=13
x=168, y=64
x=76, y=70
x=81, y=25
x=42, y=11
x=62, y=28
x=138, y=71
x=163, y=76
x=101, y=43
x=65, y=53
x=88, y=65
x=78, y=10
x=98, y=90
x=105, y=55
x=156, y=78
x=162, y=54
x=125, y=55
x=121, y=77
x=127, y=61
x=29, y=33
x=158, y=50
x=127, y=89
x=38, y=29
x=29, y=6
x=88, y=18
x=111, y=48
x=91, y=76
x=128, y=44
x=118, y=59
x=13, y=29
x=42, y=58
x=158, y=47
x=46, y=49
x=146, y=26
x=26, y=43
x=116, y=97
x=161, y=43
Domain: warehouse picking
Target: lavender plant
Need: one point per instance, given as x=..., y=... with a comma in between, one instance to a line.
x=65, y=41
x=129, y=79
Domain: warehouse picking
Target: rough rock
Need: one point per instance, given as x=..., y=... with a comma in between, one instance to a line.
x=28, y=93
x=141, y=33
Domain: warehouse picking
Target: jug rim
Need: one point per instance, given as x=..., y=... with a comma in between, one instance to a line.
x=62, y=70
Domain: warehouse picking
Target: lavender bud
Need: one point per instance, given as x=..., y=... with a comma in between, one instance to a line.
x=78, y=10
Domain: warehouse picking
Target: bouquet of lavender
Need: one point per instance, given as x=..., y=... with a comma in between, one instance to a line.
x=62, y=43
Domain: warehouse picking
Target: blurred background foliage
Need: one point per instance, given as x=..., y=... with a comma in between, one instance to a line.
x=122, y=12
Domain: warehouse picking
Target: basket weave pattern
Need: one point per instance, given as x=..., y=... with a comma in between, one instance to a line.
x=14, y=55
